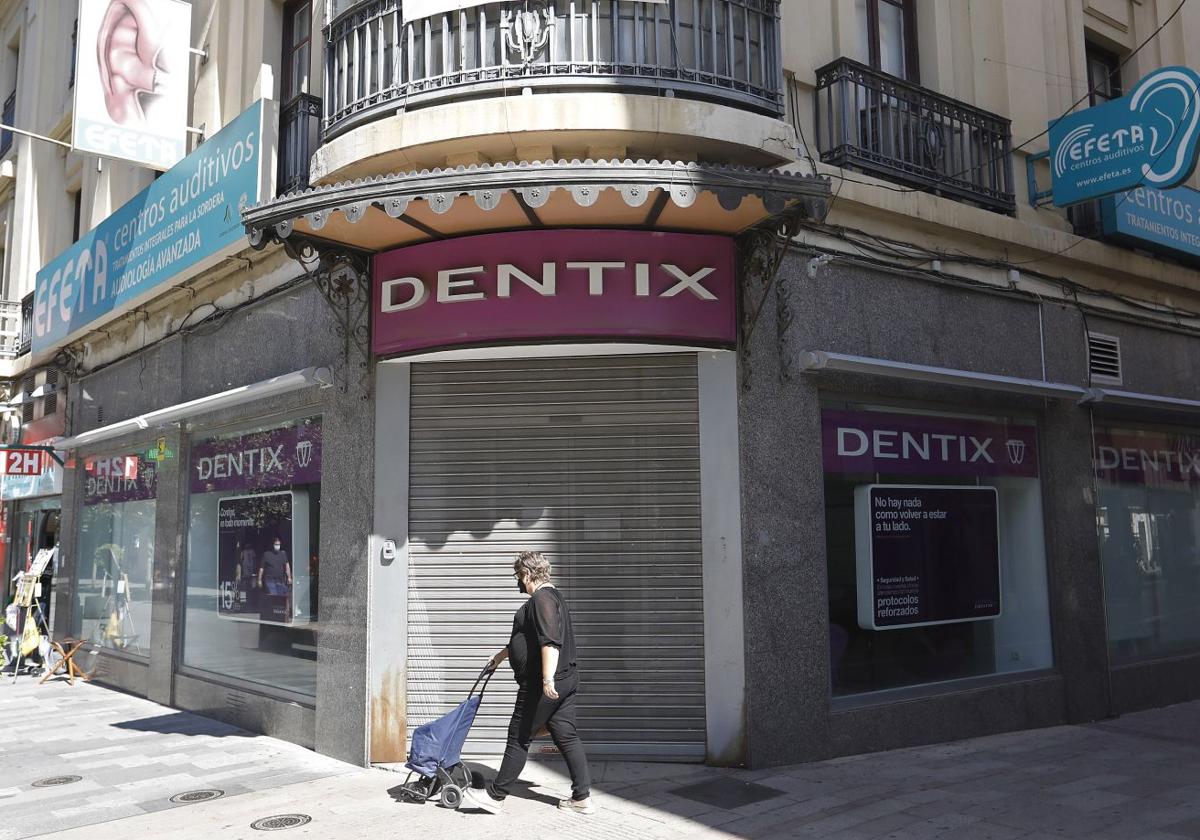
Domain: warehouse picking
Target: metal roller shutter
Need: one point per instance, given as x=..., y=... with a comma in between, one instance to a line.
x=594, y=461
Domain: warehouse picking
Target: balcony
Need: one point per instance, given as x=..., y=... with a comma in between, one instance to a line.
x=299, y=128
x=722, y=51
x=7, y=117
x=11, y=328
x=887, y=127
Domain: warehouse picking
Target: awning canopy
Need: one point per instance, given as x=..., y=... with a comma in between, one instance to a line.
x=393, y=211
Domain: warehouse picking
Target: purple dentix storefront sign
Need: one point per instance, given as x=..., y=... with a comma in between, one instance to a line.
x=926, y=555
x=1153, y=459
x=123, y=478
x=259, y=461
x=918, y=444
x=555, y=285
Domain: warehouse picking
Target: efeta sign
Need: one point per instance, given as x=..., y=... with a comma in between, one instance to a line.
x=555, y=285
x=1148, y=138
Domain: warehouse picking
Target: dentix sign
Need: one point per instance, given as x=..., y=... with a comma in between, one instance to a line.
x=1148, y=138
x=131, y=80
x=555, y=285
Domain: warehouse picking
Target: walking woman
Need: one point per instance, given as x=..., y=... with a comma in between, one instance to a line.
x=542, y=654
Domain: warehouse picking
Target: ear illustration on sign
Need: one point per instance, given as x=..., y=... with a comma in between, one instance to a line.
x=1170, y=99
x=128, y=52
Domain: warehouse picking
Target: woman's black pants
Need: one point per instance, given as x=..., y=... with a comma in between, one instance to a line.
x=534, y=710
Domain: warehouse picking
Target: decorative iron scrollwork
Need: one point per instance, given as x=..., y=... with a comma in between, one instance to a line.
x=761, y=251
x=342, y=275
x=527, y=30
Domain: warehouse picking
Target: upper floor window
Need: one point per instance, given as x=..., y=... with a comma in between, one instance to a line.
x=1103, y=75
x=297, y=46
x=888, y=36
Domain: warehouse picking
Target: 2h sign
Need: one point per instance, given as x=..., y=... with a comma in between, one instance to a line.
x=25, y=461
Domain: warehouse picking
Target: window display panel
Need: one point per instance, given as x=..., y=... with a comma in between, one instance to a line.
x=1148, y=515
x=114, y=573
x=935, y=549
x=254, y=519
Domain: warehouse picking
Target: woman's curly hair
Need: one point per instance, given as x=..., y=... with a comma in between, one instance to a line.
x=533, y=565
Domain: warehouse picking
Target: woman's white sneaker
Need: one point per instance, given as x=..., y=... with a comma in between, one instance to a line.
x=578, y=806
x=482, y=800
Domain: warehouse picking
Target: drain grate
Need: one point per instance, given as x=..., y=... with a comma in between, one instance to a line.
x=280, y=822
x=55, y=781
x=193, y=796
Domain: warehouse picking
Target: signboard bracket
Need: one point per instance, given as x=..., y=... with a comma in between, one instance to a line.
x=1037, y=197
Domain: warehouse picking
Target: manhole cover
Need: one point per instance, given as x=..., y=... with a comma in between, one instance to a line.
x=193, y=796
x=280, y=822
x=55, y=781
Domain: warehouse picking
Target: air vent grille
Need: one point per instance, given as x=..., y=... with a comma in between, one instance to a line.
x=1104, y=358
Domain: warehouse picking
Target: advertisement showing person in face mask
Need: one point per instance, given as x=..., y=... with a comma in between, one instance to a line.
x=541, y=651
x=258, y=537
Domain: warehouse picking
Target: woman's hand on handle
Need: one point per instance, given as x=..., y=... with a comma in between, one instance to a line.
x=499, y=658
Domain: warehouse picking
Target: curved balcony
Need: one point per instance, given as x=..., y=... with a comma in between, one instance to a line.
x=721, y=51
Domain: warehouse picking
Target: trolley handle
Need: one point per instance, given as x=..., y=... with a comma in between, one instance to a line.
x=485, y=676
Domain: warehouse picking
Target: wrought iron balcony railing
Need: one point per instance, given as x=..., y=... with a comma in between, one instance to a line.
x=10, y=328
x=885, y=126
x=718, y=50
x=7, y=116
x=299, y=130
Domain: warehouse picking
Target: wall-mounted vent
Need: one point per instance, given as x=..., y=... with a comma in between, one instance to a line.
x=1104, y=359
x=27, y=386
x=50, y=404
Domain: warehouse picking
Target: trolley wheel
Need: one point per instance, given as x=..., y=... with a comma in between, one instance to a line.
x=452, y=796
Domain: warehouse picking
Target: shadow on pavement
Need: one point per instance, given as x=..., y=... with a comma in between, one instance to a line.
x=184, y=723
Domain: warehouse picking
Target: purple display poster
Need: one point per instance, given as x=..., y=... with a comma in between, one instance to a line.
x=259, y=538
x=926, y=555
x=269, y=460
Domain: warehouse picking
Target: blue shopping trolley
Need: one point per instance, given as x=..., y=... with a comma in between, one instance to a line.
x=434, y=756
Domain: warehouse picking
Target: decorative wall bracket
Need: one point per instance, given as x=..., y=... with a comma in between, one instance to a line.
x=343, y=277
x=527, y=30
x=760, y=254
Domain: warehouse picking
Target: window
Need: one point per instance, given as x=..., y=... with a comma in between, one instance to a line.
x=888, y=36
x=253, y=536
x=1103, y=75
x=114, y=573
x=935, y=550
x=297, y=45
x=76, y=214
x=1149, y=523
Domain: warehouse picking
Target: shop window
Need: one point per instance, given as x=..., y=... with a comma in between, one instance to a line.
x=1149, y=523
x=888, y=36
x=114, y=572
x=253, y=535
x=935, y=549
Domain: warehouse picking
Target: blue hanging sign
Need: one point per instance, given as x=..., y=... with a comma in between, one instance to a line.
x=184, y=222
x=1148, y=138
x=1157, y=220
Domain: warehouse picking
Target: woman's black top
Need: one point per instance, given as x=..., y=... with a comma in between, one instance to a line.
x=542, y=620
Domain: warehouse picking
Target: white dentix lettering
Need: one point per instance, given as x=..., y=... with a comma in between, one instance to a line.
x=595, y=272
x=844, y=435
x=417, y=295
x=882, y=439
x=1108, y=458
x=945, y=441
x=909, y=444
x=451, y=290
x=641, y=279
x=981, y=450
x=506, y=273
x=204, y=469
x=1129, y=458
x=691, y=282
x=274, y=453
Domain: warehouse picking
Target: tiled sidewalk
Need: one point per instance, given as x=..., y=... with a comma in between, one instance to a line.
x=1136, y=778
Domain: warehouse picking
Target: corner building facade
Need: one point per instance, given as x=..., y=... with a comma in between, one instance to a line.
x=717, y=305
